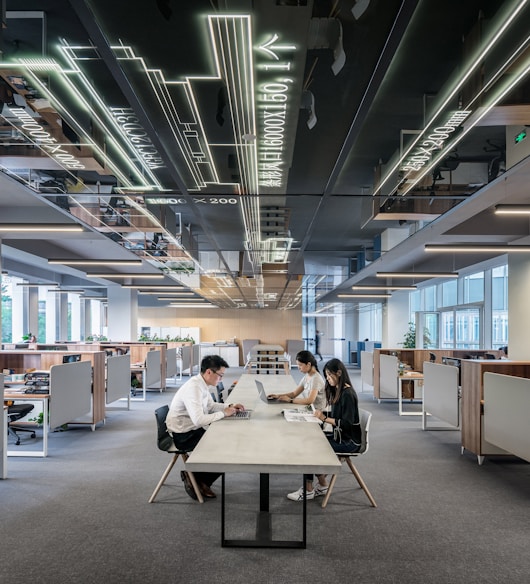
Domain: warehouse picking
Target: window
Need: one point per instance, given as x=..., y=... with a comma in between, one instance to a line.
x=499, y=307
x=473, y=288
x=449, y=293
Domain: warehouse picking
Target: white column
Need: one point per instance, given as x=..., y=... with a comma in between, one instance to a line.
x=395, y=319
x=518, y=313
x=122, y=314
x=33, y=311
x=76, y=317
x=51, y=318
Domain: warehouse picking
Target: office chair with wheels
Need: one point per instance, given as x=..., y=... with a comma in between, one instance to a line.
x=16, y=412
x=165, y=443
x=365, y=418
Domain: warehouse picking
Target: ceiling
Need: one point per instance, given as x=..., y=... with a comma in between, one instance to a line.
x=244, y=150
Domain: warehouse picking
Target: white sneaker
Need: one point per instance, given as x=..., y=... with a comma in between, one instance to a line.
x=299, y=495
x=320, y=491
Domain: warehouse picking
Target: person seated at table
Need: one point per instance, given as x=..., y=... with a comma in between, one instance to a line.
x=345, y=434
x=192, y=410
x=311, y=388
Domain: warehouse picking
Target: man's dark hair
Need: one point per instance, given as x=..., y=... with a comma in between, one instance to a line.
x=213, y=362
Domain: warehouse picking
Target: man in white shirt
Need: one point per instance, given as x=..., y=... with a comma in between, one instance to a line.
x=192, y=410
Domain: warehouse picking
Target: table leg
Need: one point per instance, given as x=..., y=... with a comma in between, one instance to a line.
x=264, y=522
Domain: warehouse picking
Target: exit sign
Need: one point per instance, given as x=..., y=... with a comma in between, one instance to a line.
x=520, y=136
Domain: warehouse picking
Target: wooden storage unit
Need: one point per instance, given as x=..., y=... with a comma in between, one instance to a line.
x=21, y=361
x=268, y=359
x=472, y=377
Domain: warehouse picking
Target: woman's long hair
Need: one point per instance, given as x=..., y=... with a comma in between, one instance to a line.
x=337, y=367
x=306, y=357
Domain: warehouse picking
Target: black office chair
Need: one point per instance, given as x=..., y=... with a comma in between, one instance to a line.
x=165, y=443
x=16, y=412
x=432, y=357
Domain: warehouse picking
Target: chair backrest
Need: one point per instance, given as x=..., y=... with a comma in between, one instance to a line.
x=247, y=344
x=164, y=441
x=364, y=418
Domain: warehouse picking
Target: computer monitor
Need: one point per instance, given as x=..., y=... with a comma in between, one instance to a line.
x=71, y=358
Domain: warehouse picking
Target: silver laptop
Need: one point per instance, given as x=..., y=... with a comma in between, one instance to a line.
x=245, y=415
x=263, y=394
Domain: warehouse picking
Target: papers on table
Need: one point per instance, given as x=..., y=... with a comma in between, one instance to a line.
x=304, y=414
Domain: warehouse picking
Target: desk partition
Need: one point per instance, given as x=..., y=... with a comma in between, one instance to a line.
x=71, y=393
x=441, y=394
x=506, y=407
x=3, y=433
x=118, y=378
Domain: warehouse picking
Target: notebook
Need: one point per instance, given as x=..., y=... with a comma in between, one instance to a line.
x=263, y=394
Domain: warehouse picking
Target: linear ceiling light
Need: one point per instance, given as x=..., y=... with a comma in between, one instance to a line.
x=471, y=247
x=40, y=227
x=180, y=297
x=167, y=293
x=146, y=288
x=179, y=305
x=92, y=262
x=125, y=276
x=62, y=291
x=417, y=274
x=364, y=295
x=367, y=287
x=37, y=284
x=512, y=210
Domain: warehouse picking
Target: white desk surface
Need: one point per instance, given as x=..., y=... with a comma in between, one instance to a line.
x=266, y=443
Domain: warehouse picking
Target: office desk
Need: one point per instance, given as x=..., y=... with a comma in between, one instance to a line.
x=266, y=444
x=45, y=401
x=415, y=377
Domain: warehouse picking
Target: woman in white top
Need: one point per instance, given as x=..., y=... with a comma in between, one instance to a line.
x=311, y=388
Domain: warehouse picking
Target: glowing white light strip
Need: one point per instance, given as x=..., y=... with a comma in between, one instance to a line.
x=476, y=63
x=368, y=287
x=512, y=210
x=469, y=248
x=132, y=276
x=417, y=275
x=364, y=295
x=39, y=228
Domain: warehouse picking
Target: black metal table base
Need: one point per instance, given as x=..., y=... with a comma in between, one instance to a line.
x=264, y=522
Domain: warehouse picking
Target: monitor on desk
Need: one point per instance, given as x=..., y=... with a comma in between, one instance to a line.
x=71, y=358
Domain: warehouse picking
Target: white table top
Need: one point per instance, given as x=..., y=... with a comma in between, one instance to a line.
x=266, y=443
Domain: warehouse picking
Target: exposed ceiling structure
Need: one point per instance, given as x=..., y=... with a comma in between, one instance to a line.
x=243, y=150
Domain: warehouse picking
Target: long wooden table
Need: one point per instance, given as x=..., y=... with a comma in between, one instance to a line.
x=266, y=444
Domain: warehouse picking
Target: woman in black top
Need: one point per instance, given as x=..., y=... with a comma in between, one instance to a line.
x=341, y=427
x=346, y=433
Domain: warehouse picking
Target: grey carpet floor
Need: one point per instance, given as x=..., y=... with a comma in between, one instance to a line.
x=81, y=515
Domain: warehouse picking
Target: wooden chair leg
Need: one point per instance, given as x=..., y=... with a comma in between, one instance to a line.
x=164, y=477
x=166, y=474
x=362, y=484
x=193, y=482
x=330, y=488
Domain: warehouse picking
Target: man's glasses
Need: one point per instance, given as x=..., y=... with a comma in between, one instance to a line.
x=217, y=373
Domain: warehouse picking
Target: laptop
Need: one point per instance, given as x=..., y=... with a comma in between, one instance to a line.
x=245, y=415
x=263, y=394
